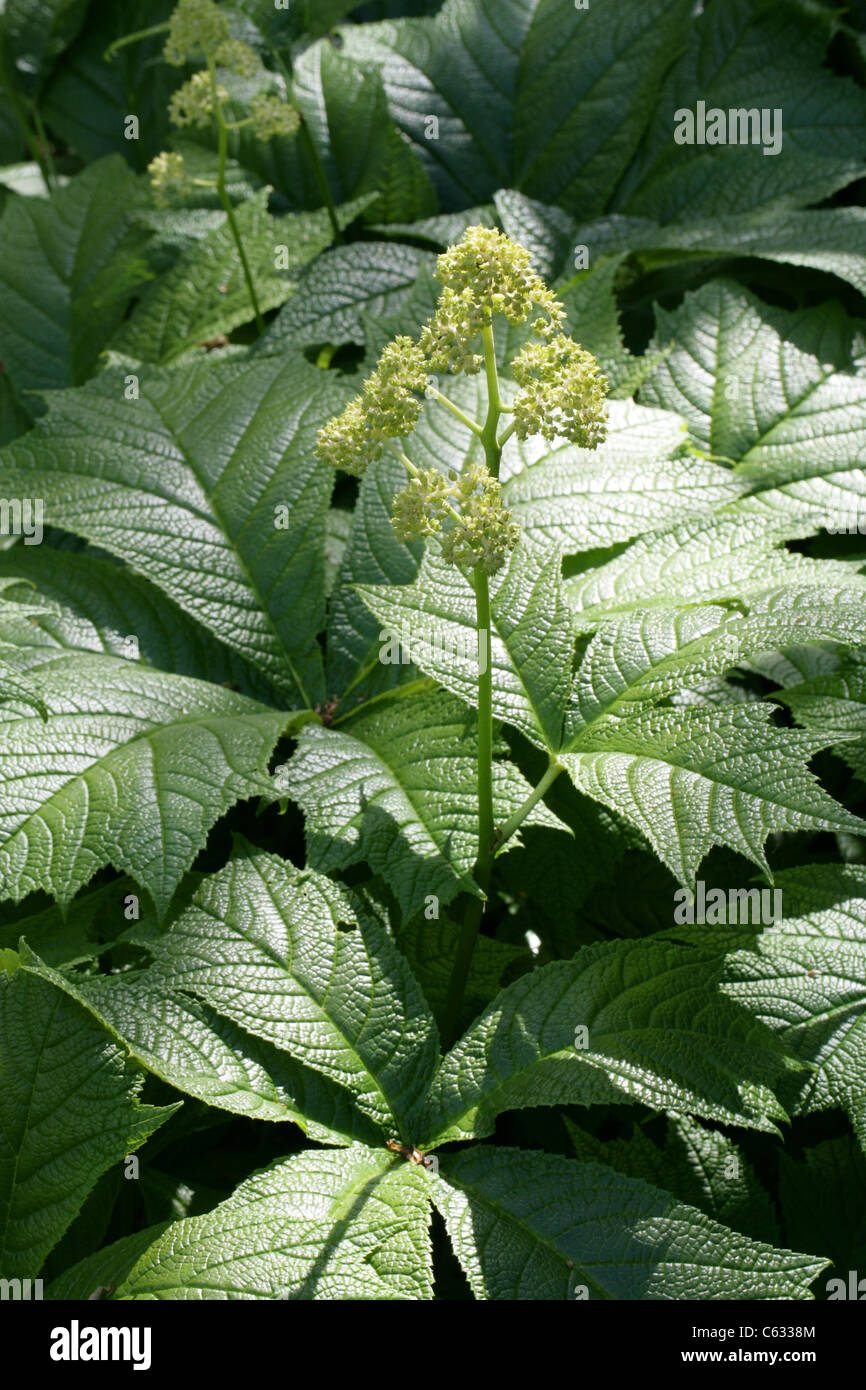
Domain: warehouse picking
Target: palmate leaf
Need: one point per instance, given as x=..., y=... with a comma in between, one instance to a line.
x=828, y=239
x=347, y=1224
x=781, y=394
x=338, y=1036
x=538, y=97
x=640, y=479
x=700, y=1166
x=657, y=1030
x=725, y=557
x=69, y=1110
x=737, y=49
x=91, y=604
x=532, y=645
x=373, y=556
x=234, y=445
x=69, y=267
x=528, y=1225
x=205, y=292
x=131, y=768
x=835, y=705
x=397, y=787
x=334, y=292
x=804, y=976
x=576, y=107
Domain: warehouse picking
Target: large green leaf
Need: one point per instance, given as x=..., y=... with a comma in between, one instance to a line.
x=749, y=54
x=350, y=1224
x=334, y=292
x=36, y=33
x=131, y=768
x=230, y=524
x=373, y=555
x=700, y=1166
x=205, y=292
x=532, y=645
x=292, y=962
x=804, y=976
x=90, y=603
x=829, y=240
x=69, y=1110
x=398, y=788
x=640, y=479
x=835, y=705
x=541, y=97
x=68, y=269
x=782, y=394
x=732, y=557
x=644, y=1020
x=531, y=1225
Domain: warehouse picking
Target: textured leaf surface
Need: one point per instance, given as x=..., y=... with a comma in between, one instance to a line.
x=805, y=976
x=231, y=524
x=398, y=788
x=539, y=97
x=835, y=705
x=285, y=956
x=700, y=561
x=737, y=49
x=68, y=1112
x=205, y=292
x=351, y=1224
x=532, y=646
x=132, y=769
x=66, y=276
x=781, y=394
x=93, y=605
x=638, y=480
x=518, y=1220
x=339, y=287
x=659, y=1031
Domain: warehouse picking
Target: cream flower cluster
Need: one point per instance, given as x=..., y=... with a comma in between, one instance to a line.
x=482, y=530
x=198, y=30
x=484, y=274
x=388, y=409
x=562, y=393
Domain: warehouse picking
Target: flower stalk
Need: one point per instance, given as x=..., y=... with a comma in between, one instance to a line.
x=560, y=393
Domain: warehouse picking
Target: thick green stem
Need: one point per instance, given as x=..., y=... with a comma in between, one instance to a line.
x=222, y=157
x=484, y=863
x=504, y=834
x=492, y=448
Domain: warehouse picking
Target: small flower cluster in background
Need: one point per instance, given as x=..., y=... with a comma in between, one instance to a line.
x=199, y=32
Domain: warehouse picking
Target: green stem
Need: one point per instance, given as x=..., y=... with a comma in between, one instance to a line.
x=309, y=145
x=492, y=448
x=112, y=48
x=224, y=198
x=458, y=414
x=20, y=115
x=506, y=434
x=504, y=834
x=321, y=180
x=51, y=181
x=484, y=863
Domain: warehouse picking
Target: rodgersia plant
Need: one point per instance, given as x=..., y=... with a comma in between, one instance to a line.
x=486, y=276
x=198, y=31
